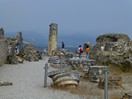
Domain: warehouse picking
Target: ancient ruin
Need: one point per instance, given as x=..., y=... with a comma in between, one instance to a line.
x=30, y=53
x=3, y=50
x=14, y=47
x=13, y=50
x=53, y=38
x=20, y=40
x=1, y=32
x=117, y=50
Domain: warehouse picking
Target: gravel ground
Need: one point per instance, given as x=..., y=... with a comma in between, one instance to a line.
x=28, y=83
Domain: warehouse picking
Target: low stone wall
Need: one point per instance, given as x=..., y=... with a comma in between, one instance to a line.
x=3, y=50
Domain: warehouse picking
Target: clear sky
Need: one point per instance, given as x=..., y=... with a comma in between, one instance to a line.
x=86, y=19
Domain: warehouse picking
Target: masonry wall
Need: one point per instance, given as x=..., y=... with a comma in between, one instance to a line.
x=1, y=32
x=7, y=47
x=3, y=50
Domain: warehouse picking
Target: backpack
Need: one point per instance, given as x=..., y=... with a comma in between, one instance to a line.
x=81, y=51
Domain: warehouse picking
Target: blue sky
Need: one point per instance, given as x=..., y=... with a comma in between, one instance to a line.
x=81, y=19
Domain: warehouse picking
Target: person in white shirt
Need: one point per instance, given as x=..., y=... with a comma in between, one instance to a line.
x=80, y=51
x=102, y=48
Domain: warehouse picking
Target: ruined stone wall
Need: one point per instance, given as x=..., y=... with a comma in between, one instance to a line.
x=12, y=42
x=53, y=36
x=19, y=40
x=3, y=50
x=117, y=50
x=7, y=48
x=1, y=32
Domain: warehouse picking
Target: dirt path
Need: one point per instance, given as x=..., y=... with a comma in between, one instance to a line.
x=28, y=82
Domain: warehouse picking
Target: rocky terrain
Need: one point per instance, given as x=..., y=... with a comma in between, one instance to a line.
x=116, y=55
x=13, y=50
x=30, y=53
x=117, y=50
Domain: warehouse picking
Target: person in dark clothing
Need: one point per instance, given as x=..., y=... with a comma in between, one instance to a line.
x=63, y=45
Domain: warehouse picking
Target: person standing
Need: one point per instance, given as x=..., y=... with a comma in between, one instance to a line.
x=9, y=49
x=87, y=51
x=102, y=48
x=63, y=45
x=80, y=51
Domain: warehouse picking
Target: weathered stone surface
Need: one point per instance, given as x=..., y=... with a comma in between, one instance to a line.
x=117, y=50
x=1, y=32
x=5, y=83
x=13, y=43
x=3, y=50
x=11, y=59
x=111, y=41
x=87, y=44
x=53, y=38
x=9, y=54
x=30, y=53
x=20, y=60
x=65, y=53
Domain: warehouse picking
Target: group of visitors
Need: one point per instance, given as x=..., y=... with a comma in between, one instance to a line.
x=80, y=51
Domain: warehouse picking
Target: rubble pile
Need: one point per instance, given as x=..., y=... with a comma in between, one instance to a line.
x=13, y=50
x=30, y=53
x=65, y=53
x=77, y=62
x=5, y=83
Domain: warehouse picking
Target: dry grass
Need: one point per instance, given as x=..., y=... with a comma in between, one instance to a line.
x=114, y=97
x=119, y=69
x=89, y=89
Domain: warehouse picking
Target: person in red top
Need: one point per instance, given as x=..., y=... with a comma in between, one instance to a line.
x=80, y=51
x=87, y=51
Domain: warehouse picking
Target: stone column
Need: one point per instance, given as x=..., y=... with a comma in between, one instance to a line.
x=53, y=38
